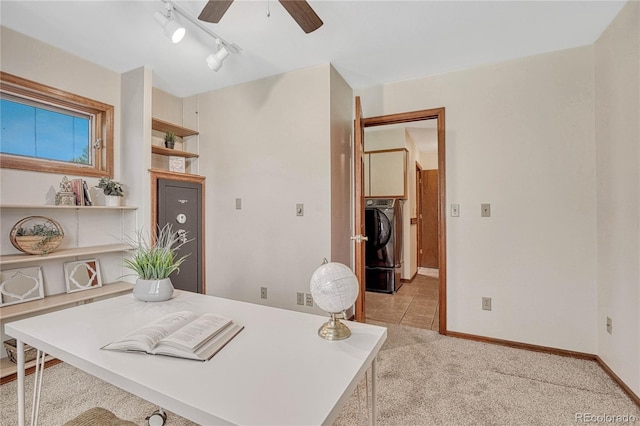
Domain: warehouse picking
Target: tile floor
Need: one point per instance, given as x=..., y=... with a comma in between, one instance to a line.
x=414, y=305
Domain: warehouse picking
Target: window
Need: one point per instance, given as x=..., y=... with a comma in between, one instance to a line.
x=50, y=130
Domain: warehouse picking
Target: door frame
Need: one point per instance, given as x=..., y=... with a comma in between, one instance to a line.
x=418, y=212
x=407, y=117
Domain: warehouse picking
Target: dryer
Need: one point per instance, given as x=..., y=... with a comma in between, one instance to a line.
x=383, y=260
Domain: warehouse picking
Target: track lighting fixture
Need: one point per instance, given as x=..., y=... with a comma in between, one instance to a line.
x=214, y=60
x=172, y=29
x=176, y=32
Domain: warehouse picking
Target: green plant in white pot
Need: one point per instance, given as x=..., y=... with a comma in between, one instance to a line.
x=112, y=190
x=153, y=262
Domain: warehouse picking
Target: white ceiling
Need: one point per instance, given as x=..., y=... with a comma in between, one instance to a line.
x=368, y=42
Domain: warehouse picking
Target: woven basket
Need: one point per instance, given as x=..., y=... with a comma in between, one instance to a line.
x=36, y=244
x=12, y=351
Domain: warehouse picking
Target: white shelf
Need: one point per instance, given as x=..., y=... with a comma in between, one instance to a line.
x=40, y=206
x=63, y=300
x=58, y=301
x=13, y=259
x=7, y=368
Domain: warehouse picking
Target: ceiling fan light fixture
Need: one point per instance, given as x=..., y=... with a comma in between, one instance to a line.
x=214, y=60
x=172, y=29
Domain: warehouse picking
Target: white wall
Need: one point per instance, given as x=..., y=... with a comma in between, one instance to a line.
x=268, y=143
x=518, y=136
x=617, y=100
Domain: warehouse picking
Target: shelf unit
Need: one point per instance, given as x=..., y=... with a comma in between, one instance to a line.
x=12, y=259
x=59, y=301
x=47, y=206
x=156, y=149
x=182, y=132
x=164, y=126
x=62, y=300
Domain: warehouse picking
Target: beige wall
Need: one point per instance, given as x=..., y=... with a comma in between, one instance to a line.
x=48, y=65
x=268, y=142
x=617, y=127
x=516, y=138
x=42, y=63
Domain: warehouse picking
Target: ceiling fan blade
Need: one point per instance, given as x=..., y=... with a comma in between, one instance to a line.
x=303, y=14
x=213, y=10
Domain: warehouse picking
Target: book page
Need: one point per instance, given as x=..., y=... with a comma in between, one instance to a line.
x=145, y=338
x=207, y=350
x=194, y=334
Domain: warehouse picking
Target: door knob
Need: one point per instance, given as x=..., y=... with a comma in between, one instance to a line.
x=359, y=238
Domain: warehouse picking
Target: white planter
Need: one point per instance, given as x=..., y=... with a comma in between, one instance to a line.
x=112, y=200
x=153, y=290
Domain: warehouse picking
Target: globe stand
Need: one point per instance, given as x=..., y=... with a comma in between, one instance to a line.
x=334, y=329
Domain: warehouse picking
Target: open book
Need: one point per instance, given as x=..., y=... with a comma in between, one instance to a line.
x=181, y=334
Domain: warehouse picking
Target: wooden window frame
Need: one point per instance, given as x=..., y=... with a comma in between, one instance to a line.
x=102, y=128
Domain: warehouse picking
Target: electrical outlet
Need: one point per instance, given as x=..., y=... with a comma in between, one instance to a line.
x=300, y=298
x=609, y=325
x=263, y=292
x=486, y=303
x=308, y=299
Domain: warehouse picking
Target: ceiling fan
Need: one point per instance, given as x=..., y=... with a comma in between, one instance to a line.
x=299, y=10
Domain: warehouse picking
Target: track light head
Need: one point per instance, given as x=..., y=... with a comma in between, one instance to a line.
x=172, y=29
x=214, y=60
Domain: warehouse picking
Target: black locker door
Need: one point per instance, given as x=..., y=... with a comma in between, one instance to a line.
x=180, y=204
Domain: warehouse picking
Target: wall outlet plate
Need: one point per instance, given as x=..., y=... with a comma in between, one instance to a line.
x=308, y=299
x=486, y=303
x=263, y=292
x=300, y=298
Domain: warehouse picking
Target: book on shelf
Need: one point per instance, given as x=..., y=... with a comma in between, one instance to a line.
x=78, y=190
x=181, y=334
x=87, y=194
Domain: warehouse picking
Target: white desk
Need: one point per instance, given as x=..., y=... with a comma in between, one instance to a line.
x=277, y=371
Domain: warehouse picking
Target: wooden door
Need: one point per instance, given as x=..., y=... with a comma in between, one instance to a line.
x=430, y=219
x=358, y=149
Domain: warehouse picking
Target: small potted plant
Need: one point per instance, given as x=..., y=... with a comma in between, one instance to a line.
x=153, y=262
x=36, y=235
x=169, y=140
x=112, y=190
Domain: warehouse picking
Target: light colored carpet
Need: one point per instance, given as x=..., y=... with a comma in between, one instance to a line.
x=424, y=379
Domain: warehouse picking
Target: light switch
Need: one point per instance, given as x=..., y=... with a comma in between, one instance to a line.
x=455, y=210
x=299, y=209
x=485, y=210
x=238, y=203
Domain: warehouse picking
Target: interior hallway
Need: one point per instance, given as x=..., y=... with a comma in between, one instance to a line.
x=414, y=305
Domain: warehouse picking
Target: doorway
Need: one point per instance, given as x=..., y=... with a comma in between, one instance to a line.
x=407, y=117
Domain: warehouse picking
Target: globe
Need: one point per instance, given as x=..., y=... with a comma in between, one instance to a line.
x=334, y=287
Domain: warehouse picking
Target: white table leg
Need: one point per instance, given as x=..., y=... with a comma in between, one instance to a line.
x=374, y=392
x=37, y=386
x=20, y=371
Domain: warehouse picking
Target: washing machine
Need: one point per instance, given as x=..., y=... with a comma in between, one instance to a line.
x=383, y=260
